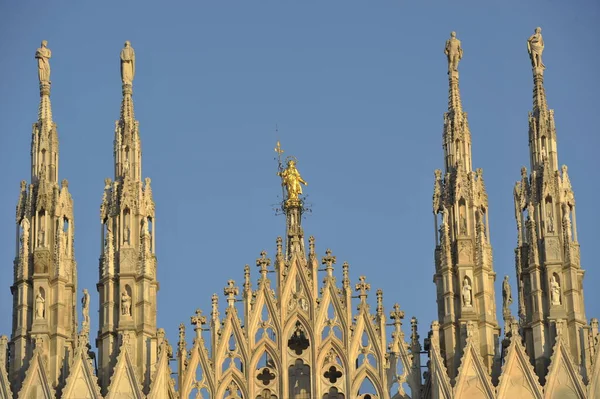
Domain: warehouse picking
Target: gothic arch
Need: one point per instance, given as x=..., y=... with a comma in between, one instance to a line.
x=366, y=373
x=238, y=378
x=259, y=351
x=291, y=324
x=336, y=345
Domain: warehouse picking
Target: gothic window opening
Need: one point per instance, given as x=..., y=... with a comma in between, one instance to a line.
x=265, y=376
x=365, y=355
x=265, y=326
x=198, y=392
x=266, y=394
x=65, y=235
x=331, y=324
x=524, y=218
x=333, y=374
x=367, y=390
x=298, y=341
x=233, y=359
x=299, y=374
x=333, y=394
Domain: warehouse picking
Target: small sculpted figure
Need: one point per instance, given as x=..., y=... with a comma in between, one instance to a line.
x=506, y=294
x=85, y=305
x=535, y=47
x=127, y=63
x=39, y=306
x=466, y=293
x=454, y=52
x=125, y=304
x=292, y=180
x=43, y=55
x=554, y=291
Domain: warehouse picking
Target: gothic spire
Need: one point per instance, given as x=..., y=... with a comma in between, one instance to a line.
x=460, y=206
x=44, y=143
x=128, y=157
x=457, y=138
x=542, y=132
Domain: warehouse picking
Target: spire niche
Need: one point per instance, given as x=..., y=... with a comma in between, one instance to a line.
x=127, y=284
x=464, y=274
x=549, y=273
x=45, y=279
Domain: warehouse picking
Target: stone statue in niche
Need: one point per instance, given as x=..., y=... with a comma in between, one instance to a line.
x=466, y=293
x=535, y=47
x=506, y=294
x=454, y=52
x=24, y=234
x=125, y=304
x=85, y=306
x=554, y=291
x=40, y=305
x=41, y=236
x=463, y=222
x=549, y=219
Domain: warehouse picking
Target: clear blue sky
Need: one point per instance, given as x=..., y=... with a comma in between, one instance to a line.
x=358, y=90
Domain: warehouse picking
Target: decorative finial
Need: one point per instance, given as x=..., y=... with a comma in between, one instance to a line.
x=247, y=278
x=362, y=287
x=454, y=52
x=535, y=48
x=397, y=315
x=328, y=260
x=197, y=321
x=263, y=262
x=231, y=291
x=43, y=55
x=345, y=277
x=127, y=64
x=215, y=306
x=181, y=344
x=379, y=301
x=311, y=245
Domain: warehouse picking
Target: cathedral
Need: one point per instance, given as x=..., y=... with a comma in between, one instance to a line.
x=302, y=334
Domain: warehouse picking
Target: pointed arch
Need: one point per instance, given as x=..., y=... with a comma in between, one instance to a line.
x=36, y=377
x=563, y=379
x=235, y=376
x=198, y=359
x=370, y=374
x=269, y=348
x=291, y=325
x=518, y=379
x=336, y=345
x=473, y=380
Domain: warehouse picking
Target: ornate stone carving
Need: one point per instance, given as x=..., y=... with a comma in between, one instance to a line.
x=40, y=306
x=467, y=293
x=127, y=63
x=125, y=304
x=554, y=291
x=454, y=52
x=535, y=47
x=43, y=55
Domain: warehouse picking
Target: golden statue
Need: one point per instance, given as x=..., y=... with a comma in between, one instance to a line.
x=291, y=179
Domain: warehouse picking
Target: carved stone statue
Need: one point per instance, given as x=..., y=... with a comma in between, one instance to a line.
x=554, y=291
x=535, y=47
x=506, y=294
x=41, y=236
x=25, y=235
x=85, y=306
x=549, y=219
x=43, y=55
x=127, y=63
x=466, y=293
x=40, y=305
x=292, y=180
x=125, y=304
x=454, y=52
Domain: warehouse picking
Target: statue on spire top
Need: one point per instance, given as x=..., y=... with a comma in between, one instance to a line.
x=127, y=63
x=454, y=52
x=535, y=47
x=290, y=177
x=43, y=55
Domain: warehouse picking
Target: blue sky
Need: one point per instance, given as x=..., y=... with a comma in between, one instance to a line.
x=358, y=90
